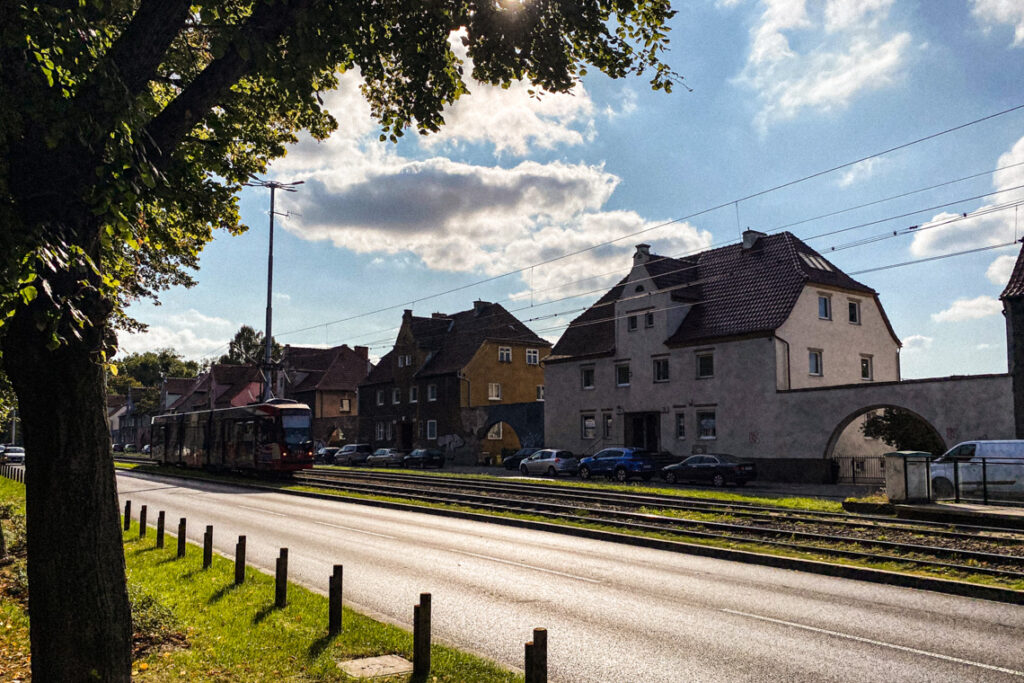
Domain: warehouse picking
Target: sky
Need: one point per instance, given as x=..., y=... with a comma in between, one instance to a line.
x=876, y=131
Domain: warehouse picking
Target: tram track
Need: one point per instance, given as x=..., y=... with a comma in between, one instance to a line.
x=1002, y=557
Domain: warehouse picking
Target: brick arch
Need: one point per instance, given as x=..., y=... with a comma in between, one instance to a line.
x=526, y=419
x=838, y=430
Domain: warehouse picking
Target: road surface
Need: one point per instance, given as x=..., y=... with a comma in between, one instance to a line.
x=614, y=613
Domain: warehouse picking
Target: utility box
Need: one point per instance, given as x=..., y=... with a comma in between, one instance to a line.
x=906, y=476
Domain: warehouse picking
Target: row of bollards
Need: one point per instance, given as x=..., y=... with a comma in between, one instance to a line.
x=13, y=473
x=536, y=654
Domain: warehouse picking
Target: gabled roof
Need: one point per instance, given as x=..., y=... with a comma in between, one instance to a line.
x=1015, y=286
x=226, y=382
x=733, y=291
x=450, y=341
x=339, y=368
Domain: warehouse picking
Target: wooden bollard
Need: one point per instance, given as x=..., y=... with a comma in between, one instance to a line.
x=142, y=522
x=181, y=537
x=160, y=529
x=281, y=583
x=208, y=546
x=127, y=515
x=421, y=636
x=528, y=663
x=240, y=561
x=334, y=601
x=540, y=655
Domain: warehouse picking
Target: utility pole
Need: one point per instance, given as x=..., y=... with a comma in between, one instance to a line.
x=268, y=364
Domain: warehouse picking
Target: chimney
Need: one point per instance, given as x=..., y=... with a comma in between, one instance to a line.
x=363, y=352
x=750, y=238
x=643, y=254
x=407, y=314
x=479, y=306
x=436, y=316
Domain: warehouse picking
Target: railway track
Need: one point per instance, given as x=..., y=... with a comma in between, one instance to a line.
x=978, y=550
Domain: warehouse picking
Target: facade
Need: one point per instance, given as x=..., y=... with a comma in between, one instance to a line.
x=222, y=386
x=327, y=380
x=687, y=355
x=454, y=382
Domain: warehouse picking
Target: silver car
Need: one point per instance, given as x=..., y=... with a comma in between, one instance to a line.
x=14, y=454
x=550, y=461
x=385, y=457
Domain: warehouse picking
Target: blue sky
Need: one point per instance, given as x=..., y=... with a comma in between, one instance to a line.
x=782, y=90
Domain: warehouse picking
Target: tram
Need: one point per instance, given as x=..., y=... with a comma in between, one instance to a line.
x=273, y=437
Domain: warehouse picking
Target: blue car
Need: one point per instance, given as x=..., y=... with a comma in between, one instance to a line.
x=620, y=464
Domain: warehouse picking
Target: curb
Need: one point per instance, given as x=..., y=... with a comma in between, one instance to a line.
x=880, y=576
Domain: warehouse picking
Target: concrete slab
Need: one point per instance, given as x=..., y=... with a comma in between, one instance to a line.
x=375, y=667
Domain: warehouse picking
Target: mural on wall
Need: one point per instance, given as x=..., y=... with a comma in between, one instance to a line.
x=450, y=442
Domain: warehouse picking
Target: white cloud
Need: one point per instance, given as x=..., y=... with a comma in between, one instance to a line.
x=843, y=49
x=184, y=341
x=917, y=342
x=969, y=309
x=983, y=347
x=985, y=226
x=859, y=172
x=193, y=318
x=999, y=271
x=995, y=12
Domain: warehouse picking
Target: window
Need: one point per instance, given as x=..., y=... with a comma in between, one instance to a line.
x=661, y=369
x=380, y=431
x=344, y=406
x=387, y=431
x=587, y=377
x=532, y=357
x=680, y=425
x=854, y=312
x=814, y=365
x=380, y=397
x=607, y=425
x=401, y=361
x=631, y=323
x=649, y=319
x=622, y=375
x=540, y=392
x=588, y=426
x=414, y=394
x=431, y=392
x=396, y=395
x=707, y=424
x=432, y=429
x=824, y=307
x=493, y=391
x=705, y=365
x=504, y=354
x=866, y=368
x=494, y=433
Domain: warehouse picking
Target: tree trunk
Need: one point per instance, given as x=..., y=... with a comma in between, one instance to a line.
x=80, y=619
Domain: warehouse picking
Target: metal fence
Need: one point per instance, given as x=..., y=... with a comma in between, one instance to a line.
x=860, y=469
x=995, y=481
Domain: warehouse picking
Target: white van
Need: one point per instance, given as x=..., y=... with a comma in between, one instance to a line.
x=992, y=469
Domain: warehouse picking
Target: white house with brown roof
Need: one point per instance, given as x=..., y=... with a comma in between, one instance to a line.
x=688, y=354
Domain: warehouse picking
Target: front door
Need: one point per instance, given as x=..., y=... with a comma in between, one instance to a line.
x=405, y=436
x=643, y=431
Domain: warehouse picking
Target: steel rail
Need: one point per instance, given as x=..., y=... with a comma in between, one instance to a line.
x=730, y=531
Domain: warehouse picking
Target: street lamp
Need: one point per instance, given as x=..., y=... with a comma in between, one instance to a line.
x=267, y=362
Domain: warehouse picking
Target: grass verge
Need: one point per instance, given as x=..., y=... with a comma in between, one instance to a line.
x=193, y=624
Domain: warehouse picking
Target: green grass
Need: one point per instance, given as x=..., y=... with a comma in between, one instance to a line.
x=219, y=631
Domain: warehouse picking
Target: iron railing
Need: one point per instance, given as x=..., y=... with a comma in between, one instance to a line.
x=997, y=481
x=860, y=469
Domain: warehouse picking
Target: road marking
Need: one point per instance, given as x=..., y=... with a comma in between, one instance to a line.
x=880, y=643
x=526, y=566
x=358, y=531
x=266, y=512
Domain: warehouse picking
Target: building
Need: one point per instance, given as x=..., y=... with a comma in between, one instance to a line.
x=687, y=355
x=327, y=380
x=470, y=382
x=222, y=386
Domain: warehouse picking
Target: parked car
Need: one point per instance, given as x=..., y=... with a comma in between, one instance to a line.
x=424, y=457
x=512, y=462
x=118, y=448
x=147, y=449
x=385, y=457
x=353, y=454
x=550, y=461
x=993, y=468
x=711, y=468
x=327, y=454
x=621, y=464
x=129, y=448
x=14, y=454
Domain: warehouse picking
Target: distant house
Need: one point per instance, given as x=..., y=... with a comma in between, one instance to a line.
x=469, y=382
x=222, y=386
x=686, y=355
x=327, y=380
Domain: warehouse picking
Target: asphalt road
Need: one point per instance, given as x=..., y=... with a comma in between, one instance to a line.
x=613, y=613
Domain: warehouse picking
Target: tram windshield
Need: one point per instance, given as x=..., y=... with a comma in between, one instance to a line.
x=296, y=428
